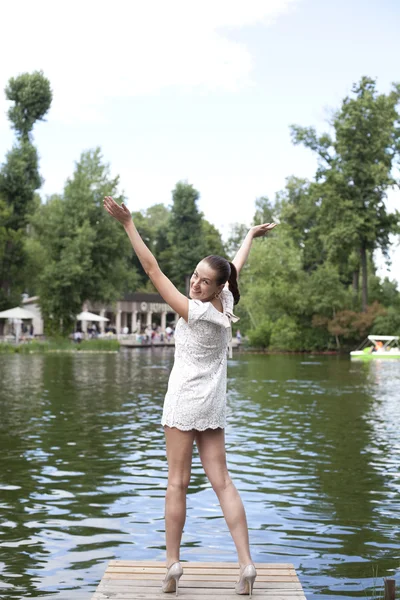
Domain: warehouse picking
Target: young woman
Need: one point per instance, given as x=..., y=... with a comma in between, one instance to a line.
x=195, y=403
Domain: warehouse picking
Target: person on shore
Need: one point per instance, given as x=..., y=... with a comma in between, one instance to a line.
x=195, y=402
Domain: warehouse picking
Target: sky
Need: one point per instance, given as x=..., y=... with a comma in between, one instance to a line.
x=198, y=91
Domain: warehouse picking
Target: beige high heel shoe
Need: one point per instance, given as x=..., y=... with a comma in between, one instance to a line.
x=246, y=581
x=171, y=580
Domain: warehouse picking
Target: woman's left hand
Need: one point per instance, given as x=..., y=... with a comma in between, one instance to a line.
x=261, y=230
x=120, y=213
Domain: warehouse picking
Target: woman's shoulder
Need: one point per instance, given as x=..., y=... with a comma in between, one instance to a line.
x=206, y=312
x=197, y=310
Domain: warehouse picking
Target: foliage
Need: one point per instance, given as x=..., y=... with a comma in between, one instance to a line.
x=387, y=323
x=265, y=211
x=286, y=334
x=355, y=172
x=88, y=254
x=385, y=292
x=282, y=334
x=273, y=285
x=190, y=236
x=260, y=335
x=152, y=225
x=19, y=178
x=99, y=344
x=237, y=234
x=211, y=240
x=160, y=235
x=31, y=97
x=300, y=285
x=349, y=325
x=185, y=233
x=325, y=290
x=298, y=207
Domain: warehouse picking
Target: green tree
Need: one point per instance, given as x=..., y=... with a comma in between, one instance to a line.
x=185, y=231
x=152, y=225
x=356, y=171
x=327, y=295
x=237, y=233
x=298, y=207
x=211, y=240
x=265, y=211
x=350, y=326
x=88, y=255
x=156, y=229
x=31, y=96
x=387, y=323
x=274, y=283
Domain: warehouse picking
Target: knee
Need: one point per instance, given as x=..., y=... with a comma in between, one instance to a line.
x=220, y=484
x=178, y=485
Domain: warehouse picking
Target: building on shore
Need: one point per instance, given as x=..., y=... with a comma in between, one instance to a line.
x=135, y=313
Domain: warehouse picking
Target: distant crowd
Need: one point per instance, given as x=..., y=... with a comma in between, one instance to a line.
x=149, y=335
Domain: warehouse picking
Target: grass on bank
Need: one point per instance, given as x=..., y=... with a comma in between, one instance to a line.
x=59, y=345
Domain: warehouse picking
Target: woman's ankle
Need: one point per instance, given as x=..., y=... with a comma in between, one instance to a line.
x=170, y=562
x=243, y=565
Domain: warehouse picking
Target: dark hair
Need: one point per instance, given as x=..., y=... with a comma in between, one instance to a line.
x=226, y=272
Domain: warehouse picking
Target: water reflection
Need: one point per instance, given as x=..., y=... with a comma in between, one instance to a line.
x=313, y=446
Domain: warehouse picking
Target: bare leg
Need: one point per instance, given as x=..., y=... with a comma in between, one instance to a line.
x=179, y=455
x=211, y=445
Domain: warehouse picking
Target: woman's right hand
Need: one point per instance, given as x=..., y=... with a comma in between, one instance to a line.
x=120, y=213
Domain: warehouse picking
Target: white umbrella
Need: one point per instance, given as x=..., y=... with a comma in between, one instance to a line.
x=18, y=314
x=88, y=316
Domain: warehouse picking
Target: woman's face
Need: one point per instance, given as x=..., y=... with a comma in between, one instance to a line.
x=203, y=284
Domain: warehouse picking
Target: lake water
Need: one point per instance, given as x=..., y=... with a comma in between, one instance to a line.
x=313, y=446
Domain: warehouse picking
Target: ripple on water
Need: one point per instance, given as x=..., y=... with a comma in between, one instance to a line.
x=315, y=453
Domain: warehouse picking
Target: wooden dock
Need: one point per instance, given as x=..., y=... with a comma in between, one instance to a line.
x=131, y=580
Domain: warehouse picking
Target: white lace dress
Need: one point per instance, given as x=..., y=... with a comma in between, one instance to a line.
x=196, y=395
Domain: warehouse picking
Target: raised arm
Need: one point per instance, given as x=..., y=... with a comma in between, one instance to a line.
x=166, y=288
x=244, y=250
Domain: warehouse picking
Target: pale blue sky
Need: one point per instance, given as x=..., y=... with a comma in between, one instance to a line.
x=198, y=91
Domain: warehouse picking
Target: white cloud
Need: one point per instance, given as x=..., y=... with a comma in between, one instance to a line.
x=94, y=51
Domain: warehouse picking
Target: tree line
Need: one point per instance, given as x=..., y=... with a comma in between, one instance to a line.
x=310, y=285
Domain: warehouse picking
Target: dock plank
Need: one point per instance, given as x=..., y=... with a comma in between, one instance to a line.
x=121, y=583
x=141, y=580
x=187, y=593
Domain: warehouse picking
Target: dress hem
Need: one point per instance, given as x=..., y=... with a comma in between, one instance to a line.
x=183, y=428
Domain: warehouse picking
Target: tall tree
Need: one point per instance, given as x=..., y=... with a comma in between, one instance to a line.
x=30, y=96
x=298, y=207
x=274, y=289
x=88, y=254
x=211, y=240
x=157, y=231
x=356, y=169
x=265, y=211
x=185, y=228
x=152, y=225
x=237, y=233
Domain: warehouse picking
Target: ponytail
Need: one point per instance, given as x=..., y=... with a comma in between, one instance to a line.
x=233, y=283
